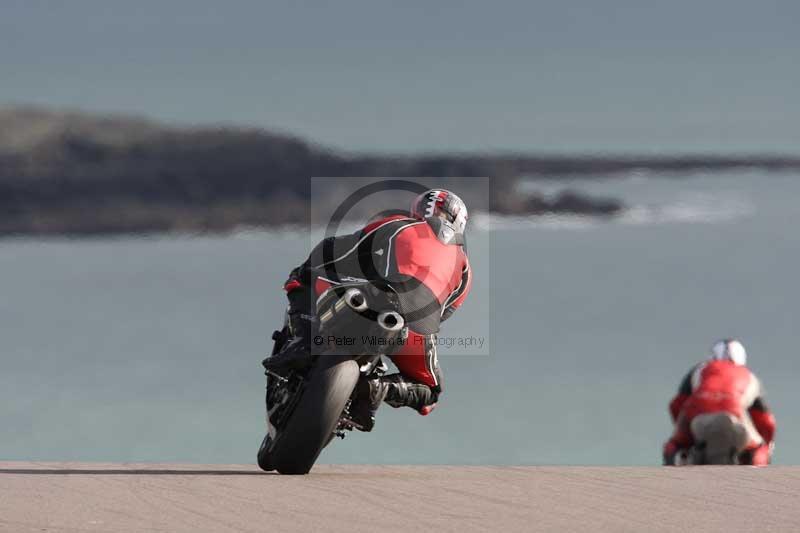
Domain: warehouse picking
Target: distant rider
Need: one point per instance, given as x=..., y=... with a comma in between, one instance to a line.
x=424, y=256
x=723, y=384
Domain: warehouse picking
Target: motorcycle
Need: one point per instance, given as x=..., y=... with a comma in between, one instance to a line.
x=719, y=439
x=309, y=401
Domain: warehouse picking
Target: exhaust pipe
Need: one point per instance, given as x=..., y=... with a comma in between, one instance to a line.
x=355, y=300
x=391, y=321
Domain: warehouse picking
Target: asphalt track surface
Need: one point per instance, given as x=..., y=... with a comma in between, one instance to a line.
x=220, y=498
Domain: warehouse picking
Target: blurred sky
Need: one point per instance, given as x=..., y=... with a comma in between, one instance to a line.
x=613, y=75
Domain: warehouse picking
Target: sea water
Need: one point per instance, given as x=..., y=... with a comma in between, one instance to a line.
x=149, y=349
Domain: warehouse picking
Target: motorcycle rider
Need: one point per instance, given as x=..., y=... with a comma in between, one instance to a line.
x=723, y=384
x=423, y=255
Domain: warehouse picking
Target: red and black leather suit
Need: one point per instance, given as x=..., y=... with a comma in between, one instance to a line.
x=722, y=386
x=434, y=280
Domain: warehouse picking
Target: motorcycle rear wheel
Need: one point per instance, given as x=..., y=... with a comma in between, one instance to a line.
x=314, y=420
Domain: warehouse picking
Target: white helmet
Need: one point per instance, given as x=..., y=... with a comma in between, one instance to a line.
x=445, y=212
x=729, y=350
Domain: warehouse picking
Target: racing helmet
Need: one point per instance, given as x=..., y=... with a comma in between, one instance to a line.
x=445, y=212
x=729, y=350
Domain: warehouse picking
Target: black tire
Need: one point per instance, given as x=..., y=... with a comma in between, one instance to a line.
x=314, y=419
x=263, y=458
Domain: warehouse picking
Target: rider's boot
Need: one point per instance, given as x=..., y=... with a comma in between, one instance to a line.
x=303, y=324
x=758, y=456
x=394, y=389
x=670, y=452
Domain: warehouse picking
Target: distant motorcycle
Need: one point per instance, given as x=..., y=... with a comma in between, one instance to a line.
x=309, y=401
x=719, y=439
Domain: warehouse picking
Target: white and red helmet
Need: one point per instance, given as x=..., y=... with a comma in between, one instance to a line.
x=729, y=350
x=445, y=212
